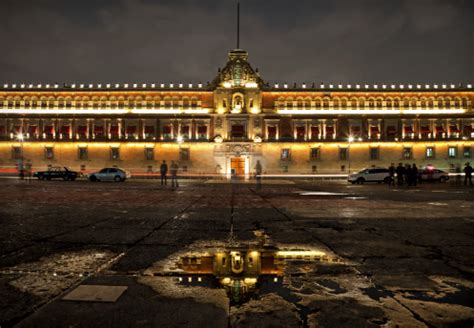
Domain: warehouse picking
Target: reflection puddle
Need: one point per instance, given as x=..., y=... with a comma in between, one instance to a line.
x=438, y=204
x=241, y=270
x=355, y=198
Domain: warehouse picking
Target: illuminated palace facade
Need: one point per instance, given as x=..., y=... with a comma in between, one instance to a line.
x=234, y=121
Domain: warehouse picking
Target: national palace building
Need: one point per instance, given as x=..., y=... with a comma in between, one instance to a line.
x=233, y=121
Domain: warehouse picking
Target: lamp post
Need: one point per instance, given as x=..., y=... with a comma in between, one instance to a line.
x=350, y=140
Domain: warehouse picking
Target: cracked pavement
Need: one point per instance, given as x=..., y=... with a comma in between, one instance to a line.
x=408, y=253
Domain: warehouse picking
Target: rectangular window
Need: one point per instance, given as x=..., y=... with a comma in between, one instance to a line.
x=114, y=153
x=16, y=152
x=452, y=152
x=48, y=153
x=271, y=132
x=343, y=154
x=149, y=153
x=374, y=153
x=467, y=152
x=407, y=153
x=430, y=152
x=184, y=154
x=202, y=132
x=82, y=153
x=314, y=169
x=300, y=132
x=237, y=131
x=314, y=154
x=285, y=154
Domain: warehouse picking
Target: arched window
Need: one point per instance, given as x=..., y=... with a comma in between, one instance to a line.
x=317, y=103
x=378, y=103
x=389, y=103
x=371, y=103
x=326, y=103
x=353, y=103
x=361, y=102
x=51, y=102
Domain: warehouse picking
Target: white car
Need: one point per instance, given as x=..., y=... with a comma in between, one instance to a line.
x=110, y=174
x=370, y=175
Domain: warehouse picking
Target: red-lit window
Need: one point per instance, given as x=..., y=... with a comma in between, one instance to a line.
x=98, y=131
x=374, y=131
x=454, y=129
x=300, y=132
x=65, y=129
x=82, y=130
x=32, y=130
x=314, y=132
x=425, y=130
x=330, y=131
x=149, y=131
x=2, y=130
x=48, y=130
x=114, y=130
x=439, y=130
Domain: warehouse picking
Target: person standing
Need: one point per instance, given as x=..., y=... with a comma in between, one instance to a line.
x=467, y=174
x=28, y=170
x=414, y=172
x=163, y=172
x=391, y=172
x=174, y=174
x=21, y=168
x=400, y=172
x=258, y=174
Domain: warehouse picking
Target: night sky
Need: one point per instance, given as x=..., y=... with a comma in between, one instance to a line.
x=350, y=41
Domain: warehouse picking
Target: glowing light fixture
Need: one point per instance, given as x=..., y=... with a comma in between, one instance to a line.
x=227, y=84
x=251, y=85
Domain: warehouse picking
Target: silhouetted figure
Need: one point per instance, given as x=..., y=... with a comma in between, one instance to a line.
x=28, y=170
x=258, y=175
x=400, y=170
x=468, y=174
x=174, y=174
x=408, y=175
x=21, y=168
x=391, y=172
x=414, y=172
x=163, y=172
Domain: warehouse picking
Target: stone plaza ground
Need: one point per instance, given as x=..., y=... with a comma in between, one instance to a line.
x=405, y=255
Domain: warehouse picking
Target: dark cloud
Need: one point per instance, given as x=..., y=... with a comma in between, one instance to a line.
x=343, y=41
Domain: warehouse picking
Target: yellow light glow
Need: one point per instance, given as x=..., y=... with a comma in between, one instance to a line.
x=251, y=85
x=250, y=281
x=369, y=111
x=227, y=84
x=90, y=111
x=300, y=253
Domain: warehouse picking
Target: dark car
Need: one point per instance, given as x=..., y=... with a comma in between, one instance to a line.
x=57, y=173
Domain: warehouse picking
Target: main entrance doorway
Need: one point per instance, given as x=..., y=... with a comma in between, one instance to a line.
x=237, y=164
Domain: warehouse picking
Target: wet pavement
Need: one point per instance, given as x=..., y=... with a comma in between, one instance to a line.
x=392, y=256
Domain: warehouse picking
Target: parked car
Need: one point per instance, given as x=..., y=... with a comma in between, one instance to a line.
x=56, y=173
x=429, y=173
x=110, y=174
x=370, y=175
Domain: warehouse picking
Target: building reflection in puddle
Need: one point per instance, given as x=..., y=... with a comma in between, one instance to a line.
x=239, y=269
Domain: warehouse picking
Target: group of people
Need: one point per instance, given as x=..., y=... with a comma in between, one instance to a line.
x=406, y=175
x=25, y=169
x=173, y=171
